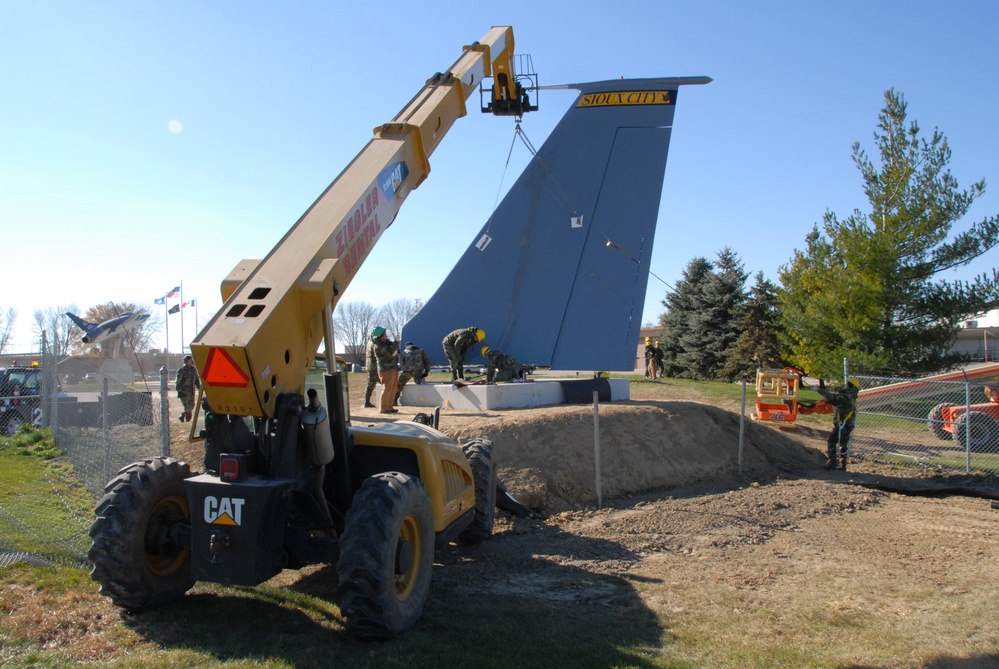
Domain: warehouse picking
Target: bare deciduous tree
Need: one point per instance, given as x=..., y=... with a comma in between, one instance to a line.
x=352, y=325
x=395, y=314
x=7, y=319
x=57, y=328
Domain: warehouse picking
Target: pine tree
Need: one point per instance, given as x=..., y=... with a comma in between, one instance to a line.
x=758, y=344
x=700, y=325
x=680, y=305
x=867, y=288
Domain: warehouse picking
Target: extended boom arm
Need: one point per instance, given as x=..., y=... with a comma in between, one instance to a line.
x=279, y=309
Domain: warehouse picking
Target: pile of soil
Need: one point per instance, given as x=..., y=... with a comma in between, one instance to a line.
x=547, y=456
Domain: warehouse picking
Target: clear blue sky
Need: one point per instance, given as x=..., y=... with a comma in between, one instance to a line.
x=147, y=143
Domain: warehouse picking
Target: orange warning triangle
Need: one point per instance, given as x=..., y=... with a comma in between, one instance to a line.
x=222, y=371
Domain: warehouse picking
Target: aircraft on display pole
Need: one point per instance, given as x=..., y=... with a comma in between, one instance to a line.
x=94, y=333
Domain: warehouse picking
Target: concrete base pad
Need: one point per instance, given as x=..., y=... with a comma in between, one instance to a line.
x=497, y=396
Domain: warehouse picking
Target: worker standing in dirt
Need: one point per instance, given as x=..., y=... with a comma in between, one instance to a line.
x=187, y=381
x=413, y=364
x=844, y=404
x=372, y=366
x=387, y=362
x=456, y=344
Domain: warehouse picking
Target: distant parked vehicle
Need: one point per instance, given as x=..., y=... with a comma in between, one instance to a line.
x=20, y=397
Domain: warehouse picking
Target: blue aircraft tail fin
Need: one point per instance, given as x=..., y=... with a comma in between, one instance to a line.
x=80, y=323
x=557, y=276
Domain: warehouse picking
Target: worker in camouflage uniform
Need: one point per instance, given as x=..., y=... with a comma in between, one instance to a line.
x=501, y=367
x=387, y=362
x=457, y=344
x=187, y=382
x=413, y=364
x=844, y=404
x=371, y=365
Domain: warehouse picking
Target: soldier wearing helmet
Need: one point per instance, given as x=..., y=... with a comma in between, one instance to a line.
x=387, y=362
x=845, y=415
x=456, y=344
x=502, y=367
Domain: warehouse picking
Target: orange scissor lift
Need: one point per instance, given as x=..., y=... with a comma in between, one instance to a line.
x=777, y=397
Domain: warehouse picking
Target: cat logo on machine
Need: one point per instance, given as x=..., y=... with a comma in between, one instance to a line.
x=224, y=510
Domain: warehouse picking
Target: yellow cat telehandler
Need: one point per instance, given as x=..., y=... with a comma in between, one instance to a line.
x=287, y=483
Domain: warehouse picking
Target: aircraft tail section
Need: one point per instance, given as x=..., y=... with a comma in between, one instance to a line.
x=80, y=323
x=557, y=276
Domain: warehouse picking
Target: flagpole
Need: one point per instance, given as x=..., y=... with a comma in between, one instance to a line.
x=182, y=318
x=166, y=325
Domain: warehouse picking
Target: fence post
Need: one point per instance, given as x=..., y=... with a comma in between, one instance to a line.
x=742, y=425
x=105, y=428
x=49, y=391
x=596, y=445
x=164, y=414
x=967, y=423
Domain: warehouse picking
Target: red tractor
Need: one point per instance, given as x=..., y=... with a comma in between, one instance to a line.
x=976, y=429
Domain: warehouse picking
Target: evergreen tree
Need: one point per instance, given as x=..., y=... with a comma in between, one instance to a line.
x=758, y=344
x=867, y=288
x=716, y=326
x=680, y=305
x=700, y=325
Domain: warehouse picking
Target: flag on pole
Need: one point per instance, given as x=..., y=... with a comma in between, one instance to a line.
x=189, y=304
x=174, y=309
x=160, y=300
x=174, y=293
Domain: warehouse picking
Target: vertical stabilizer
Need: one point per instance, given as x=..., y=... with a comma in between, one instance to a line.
x=560, y=281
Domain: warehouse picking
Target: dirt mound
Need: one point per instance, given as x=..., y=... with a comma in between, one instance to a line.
x=546, y=456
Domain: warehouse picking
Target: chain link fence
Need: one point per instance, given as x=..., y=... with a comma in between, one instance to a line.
x=928, y=424
x=101, y=421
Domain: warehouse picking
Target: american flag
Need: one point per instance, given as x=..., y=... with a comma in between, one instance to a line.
x=174, y=293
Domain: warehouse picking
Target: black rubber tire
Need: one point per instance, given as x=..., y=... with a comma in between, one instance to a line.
x=936, y=424
x=386, y=556
x=479, y=453
x=984, y=432
x=136, y=558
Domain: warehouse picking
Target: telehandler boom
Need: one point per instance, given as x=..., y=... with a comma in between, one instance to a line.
x=285, y=482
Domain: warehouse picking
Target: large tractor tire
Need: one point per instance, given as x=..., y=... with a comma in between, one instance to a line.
x=936, y=423
x=479, y=453
x=138, y=557
x=984, y=432
x=386, y=556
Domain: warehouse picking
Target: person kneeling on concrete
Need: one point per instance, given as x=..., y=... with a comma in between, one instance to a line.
x=502, y=367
